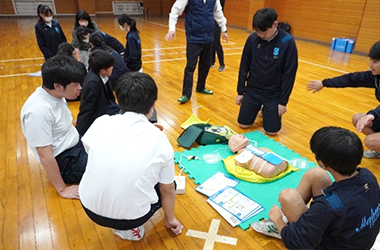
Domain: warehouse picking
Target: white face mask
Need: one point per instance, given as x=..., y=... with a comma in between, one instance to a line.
x=48, y=19
x=87, y=40
x=123, y=29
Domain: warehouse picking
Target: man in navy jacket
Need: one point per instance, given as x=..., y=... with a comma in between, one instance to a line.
x=199, y=24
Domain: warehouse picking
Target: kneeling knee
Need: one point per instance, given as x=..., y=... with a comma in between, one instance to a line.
x=271, y=133
x=372, y=141
x=244, y=126
x=286, y=195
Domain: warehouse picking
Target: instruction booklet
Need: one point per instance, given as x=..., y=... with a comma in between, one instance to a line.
x=227, y=200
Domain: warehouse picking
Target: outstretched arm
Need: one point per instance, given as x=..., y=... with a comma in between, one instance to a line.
x=314, y=85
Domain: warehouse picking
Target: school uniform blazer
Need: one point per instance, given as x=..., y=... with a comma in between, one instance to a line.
x=95, y=101
x=119, y=68
x=49, y=38
x=132, y=54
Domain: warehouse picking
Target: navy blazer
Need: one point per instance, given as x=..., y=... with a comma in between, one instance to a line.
x=48, y=39
x=97, y=99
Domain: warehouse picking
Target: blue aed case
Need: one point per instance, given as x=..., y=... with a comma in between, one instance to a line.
x=343, y=44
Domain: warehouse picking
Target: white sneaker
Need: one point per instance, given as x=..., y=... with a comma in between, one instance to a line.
x=370, y=154
x=134, y=234
x=266, y=227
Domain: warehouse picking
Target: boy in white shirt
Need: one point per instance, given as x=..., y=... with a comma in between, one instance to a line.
x=47, y=125
x=130, y=171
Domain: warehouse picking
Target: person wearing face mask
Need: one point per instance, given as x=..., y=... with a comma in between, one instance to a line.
x=132, y=53
x=83, y=37
x=49, y=33
x=82, y=19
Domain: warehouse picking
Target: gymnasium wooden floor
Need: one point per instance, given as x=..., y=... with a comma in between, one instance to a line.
x=33, y=216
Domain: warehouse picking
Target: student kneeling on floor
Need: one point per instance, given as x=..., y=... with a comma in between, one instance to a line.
x=128, y=179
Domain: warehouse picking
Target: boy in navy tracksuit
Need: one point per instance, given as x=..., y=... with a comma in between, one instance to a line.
x=49, y=33
x=343, y=214
x=267, y=72
x=368, y=124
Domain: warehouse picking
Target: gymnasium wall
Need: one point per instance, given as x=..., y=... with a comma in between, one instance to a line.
x=318, y=20
x=156, y=7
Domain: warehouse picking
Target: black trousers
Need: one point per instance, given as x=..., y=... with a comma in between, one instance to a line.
x=193, y=52
x=72, y=163
x=217, y=47
x=124, y=224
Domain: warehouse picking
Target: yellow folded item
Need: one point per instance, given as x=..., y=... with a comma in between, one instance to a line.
x=247, y=175
x=193, y=119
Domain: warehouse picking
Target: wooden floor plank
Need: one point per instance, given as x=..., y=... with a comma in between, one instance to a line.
x=34, y=216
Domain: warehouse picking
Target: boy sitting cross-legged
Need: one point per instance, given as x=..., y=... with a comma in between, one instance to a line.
x=343, y=214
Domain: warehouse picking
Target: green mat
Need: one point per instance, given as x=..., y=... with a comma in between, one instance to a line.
x=210, y=162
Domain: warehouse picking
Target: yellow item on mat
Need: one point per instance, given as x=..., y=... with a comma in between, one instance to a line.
x=221, y=130
x=247, y=175
x=193, y=119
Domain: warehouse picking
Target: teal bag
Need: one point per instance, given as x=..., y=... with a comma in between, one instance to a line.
x=204, y=134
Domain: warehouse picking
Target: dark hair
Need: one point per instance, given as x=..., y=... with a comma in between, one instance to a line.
x=264, y=19
x=374, y=52
x=83, y=15
x=97, y=40
x=337, y=148
x=62, y=70
x=82, y=31
x=124, y=18
x=44, y=10
x=65, y=49
x=99, y=60
x=136, y=92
